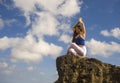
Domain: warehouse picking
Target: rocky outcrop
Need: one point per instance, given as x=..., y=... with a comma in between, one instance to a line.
x=73, y=69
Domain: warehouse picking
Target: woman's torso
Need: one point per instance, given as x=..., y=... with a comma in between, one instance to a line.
x=79, y=40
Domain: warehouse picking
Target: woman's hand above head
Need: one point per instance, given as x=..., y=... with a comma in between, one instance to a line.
x=80, y=20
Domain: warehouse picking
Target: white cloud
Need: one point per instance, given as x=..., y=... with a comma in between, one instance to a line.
x=30, y=68
x=105, y=33
x=33, y=52
x=45, y=24
x=102, y=48
x=114, y=33
x=22, y=5
x=66, y=8
x=69, y=8
x=33, y=47
x=6, y=42
x=26, y=9
x=50, y=6
x=65, y=27
x=3, y=65
x=1, y=23
x=8, y=69
x=65, y=38
x=28, y=49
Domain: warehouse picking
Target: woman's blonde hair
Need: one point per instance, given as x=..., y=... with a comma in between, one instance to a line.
x=80, y=30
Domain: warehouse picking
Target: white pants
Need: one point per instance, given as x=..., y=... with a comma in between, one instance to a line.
x=77, y=50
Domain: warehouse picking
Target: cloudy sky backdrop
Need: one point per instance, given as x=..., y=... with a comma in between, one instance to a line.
x=34, y=32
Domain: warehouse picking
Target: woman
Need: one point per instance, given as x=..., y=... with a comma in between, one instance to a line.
x=77, y=46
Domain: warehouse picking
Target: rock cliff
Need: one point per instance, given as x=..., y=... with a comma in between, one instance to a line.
x=73, y=69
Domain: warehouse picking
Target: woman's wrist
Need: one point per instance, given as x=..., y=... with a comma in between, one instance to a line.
x=80, y=21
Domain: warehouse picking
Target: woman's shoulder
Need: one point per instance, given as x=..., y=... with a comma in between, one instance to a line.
x=82, y=36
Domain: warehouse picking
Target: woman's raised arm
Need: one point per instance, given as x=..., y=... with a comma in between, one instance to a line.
x=82, y=26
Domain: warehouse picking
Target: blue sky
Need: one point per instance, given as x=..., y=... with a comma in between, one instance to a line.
x=34, y=32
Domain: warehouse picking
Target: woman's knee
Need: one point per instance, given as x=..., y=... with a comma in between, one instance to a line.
x=82, y=52
x=73, y=45
x=71, y=50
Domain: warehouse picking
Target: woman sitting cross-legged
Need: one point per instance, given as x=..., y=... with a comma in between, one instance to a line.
x=77, y=46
